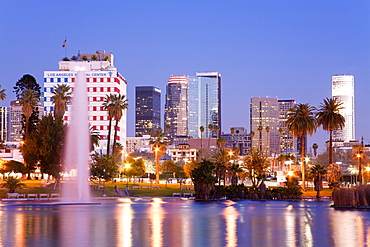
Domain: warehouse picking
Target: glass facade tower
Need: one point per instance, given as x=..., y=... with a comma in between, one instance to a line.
x=148, y=110
x=343, y=89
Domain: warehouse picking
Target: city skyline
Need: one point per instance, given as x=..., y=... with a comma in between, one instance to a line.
x=285, y=50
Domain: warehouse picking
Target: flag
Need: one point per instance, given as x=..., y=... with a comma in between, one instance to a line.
x=64, y=43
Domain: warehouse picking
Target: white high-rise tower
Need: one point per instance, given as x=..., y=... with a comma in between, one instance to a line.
x=343, y=89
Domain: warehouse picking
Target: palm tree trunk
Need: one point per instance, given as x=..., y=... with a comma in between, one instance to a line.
x=330, y=147
x=303, y=167
x=115, y=137
x=109, y=132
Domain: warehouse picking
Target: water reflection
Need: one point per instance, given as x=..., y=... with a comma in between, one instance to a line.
x=176, y=222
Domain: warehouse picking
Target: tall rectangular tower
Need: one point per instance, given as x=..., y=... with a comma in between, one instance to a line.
x=264, y=121
x=4, y=116
x=102, y=79
x=15, y=121
x=148, y=110
x=287, y=142
x=204, y=103
x=176, y=106
x=343, y=89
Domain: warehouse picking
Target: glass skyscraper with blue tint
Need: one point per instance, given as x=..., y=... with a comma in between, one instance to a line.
x=204, y=96
x=191, y=102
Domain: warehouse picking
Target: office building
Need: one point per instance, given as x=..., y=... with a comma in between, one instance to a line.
x=191, y=102
x=264, y=123
x=102, y=79
x=287, y=143
x=15, y=131
x=176, y=106
x=343, y=89
x=4, y=117
x=148, y=110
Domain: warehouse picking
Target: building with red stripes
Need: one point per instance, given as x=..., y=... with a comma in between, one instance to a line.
x=102, y=79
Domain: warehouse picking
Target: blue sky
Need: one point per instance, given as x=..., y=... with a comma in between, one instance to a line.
x=287, y=49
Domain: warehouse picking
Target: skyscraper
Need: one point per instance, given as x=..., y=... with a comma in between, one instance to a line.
x=204, y=98
x=193, y=101
x=148, y=109
x=343, y=90
x=15, y=121
x=176, y=106
x=264, y=122
x=102, y=79
x=287, y=142
x=4, y=116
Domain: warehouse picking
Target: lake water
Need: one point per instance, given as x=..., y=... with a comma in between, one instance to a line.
x=178, y=222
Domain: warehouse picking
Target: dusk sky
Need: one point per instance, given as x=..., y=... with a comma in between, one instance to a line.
x=286, y=49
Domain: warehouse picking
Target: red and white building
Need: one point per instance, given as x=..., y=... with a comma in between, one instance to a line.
x=102, y=79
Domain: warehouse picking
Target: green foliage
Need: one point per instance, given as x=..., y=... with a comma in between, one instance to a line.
x=23, y=84
x=65, y=59
x=256, y=165
x=12, y=184
x=169, y=166
x=103, y=168
x=84, y=58
x=73, y=58
x=30, y=151
x=204, y=181
x=14, y=166
x=137, y=167
x=94, y=57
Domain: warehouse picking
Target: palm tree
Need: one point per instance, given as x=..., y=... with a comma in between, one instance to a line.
x=268, y=140
x=281, y=131
x=232, y=130
x=28, y=101
x=315, y=147
x=61, y=96
x=201, y=128
x=318, y=171
x=217, y=129
x=329, y=117
x=13, y=184
x=94, y=138
x=301, y=120
x=119, y=105
x=252, y=134
x=259, y=128
x=210, y=128
x=2, y=94
x=159, y=143
x=108, y=106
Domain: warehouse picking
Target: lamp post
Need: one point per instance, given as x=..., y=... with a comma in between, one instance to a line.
x=156, y=150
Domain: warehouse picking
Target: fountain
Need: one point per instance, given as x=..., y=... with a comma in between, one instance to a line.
x=77, y=189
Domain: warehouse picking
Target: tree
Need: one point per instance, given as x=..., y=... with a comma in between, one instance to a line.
x=13, y=184
x=14, y=166
x=217, y=130
x=108, y=106
x=2, y=94
x=94, y=138
x=334, y=172
x=256, y=165
x=189, y=167
x=103, y=168
x=29, y=101
x=119, y=104
x=317, y=171
x=301, y=121
x=252, y=135
x=268, y=139
x=30, y=152
x=23, y=84
x=204, y=181
x=50, y=135
x=315, y=147
x=259, y=128
x=159, y=143
x=330, y=118
x=232, y=130
x=74, y=58
x=210, y=128
x=61, y=96
x=94, y=57
x=201, y=129
x=137, y=167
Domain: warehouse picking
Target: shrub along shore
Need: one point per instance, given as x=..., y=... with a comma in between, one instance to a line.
x=165, y=190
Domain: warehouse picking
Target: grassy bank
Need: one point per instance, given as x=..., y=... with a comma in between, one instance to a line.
x=34, y=186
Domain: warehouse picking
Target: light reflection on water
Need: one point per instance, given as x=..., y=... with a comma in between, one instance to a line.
x=176, y=222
